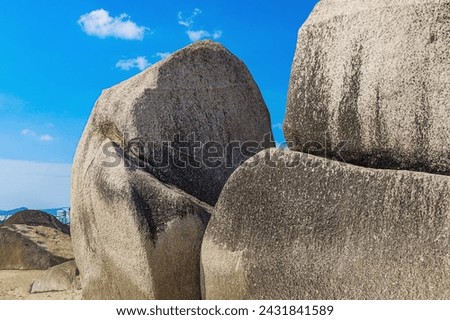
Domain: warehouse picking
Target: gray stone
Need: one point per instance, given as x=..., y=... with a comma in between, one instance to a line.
x=202, y=94
x=137, y=227
x=375, y=74
x=294, y=226
x=135, y=237
x=63, y=277
x=24, y=247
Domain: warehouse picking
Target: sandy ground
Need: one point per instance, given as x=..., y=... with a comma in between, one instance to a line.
x=15, y=285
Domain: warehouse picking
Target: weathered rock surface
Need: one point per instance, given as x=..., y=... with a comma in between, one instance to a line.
x=199, y=94
x=135, y=237
x=375, y=74
x=24, y=247
x=303, y=227
x=137, y=226
x=63, y=277
x=37, y=218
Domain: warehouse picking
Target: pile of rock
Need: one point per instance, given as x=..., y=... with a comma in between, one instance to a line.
x=33, y=240
x=358, y=208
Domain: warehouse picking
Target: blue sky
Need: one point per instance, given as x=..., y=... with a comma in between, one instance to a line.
x=57, y=56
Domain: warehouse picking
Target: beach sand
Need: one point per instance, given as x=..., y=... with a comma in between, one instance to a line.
x=16, y=285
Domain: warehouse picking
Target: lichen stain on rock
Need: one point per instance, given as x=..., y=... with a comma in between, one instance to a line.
x=348, y=116
x=380, y=134
x=422, y=124
x=313, y=94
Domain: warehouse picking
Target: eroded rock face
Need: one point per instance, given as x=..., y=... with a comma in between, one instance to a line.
x=370, y=84
x=63, y=277
x=24, y=247
x=292, y=226
x=137, y=226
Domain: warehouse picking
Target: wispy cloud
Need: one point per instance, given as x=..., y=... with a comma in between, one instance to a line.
x=197, y=34
x=46, y=137
x=217, y=34
x=189, y=21
x=41, y=137
x=28, y=132
x=100, y=24
x=202, y=34
x=140, y=63
x=162, y=55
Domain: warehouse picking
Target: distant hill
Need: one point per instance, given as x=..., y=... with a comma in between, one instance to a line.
x=6, y=214
x=11, y=212
x=14, y=211
x=37, y=218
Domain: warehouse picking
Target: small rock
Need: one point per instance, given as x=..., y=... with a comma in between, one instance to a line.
x=63, y=277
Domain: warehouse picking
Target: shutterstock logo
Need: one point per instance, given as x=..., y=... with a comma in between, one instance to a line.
x=186, y=151
x=182, y=152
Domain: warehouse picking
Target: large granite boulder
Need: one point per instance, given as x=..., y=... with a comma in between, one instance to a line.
x=63, y=277
x=138, y=221
x=173, y=116
x=24, y=247
x=370, y=84
x=292, y=226
x=37, y=218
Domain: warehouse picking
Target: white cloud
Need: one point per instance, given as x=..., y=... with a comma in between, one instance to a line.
x=46, y=137
x=100, y=24
x=189, y=21
x=199, y=34
x=28, y=132
x=202, y=34
x=42, y=137
x=47, y=184
x=217, y=34
x=140, y=62
x=162, y=55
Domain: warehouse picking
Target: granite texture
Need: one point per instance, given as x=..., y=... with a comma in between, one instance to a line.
x=370, y=84
x=137, y=226
x=294, y=226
